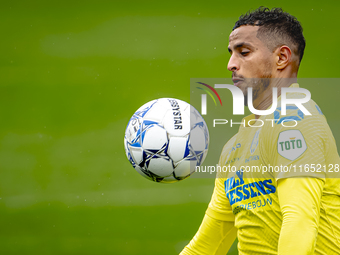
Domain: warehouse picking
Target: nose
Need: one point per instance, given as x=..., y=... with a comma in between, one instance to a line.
x=233, y=64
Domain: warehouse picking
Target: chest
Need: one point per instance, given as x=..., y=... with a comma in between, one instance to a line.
x=249, y=185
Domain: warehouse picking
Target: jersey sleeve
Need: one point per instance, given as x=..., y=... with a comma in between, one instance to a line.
x=219, y=206
x=300, y=216
x=217, y=231
x=214, y=237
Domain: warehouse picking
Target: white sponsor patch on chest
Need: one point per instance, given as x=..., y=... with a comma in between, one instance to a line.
x=291, y=144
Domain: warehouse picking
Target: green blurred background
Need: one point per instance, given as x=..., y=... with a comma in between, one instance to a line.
x=72, y=74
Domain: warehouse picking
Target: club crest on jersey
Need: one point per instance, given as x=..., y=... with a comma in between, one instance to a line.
x=255, y=142
x=291, y=144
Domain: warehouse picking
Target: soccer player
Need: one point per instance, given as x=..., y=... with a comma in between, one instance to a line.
x=293, y=206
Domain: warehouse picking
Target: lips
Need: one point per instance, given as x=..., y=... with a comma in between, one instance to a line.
x=237, y=81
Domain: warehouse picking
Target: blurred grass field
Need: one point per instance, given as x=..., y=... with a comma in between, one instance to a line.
x=72, y=74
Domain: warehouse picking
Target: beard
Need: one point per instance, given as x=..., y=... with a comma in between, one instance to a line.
x=259, y=85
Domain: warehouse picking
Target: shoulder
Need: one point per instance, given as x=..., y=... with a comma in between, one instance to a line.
x=225, y=154
x=295, y=124
x=296, y=118
x=228, y=146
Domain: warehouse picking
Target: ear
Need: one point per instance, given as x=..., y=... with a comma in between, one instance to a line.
x=284, y=56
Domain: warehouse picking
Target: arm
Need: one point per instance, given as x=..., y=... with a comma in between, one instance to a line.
x=300, y=206
x=298, y=192
x=217, y=231
x=214, y=237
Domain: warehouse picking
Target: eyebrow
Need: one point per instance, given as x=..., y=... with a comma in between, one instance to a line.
x=240, y=45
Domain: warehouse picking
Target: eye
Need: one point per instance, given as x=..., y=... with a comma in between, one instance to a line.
x=245, y=53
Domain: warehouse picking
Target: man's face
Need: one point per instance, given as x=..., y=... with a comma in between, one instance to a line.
x=251, y=61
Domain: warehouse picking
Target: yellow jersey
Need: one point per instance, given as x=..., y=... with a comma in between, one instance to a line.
x=246, y=194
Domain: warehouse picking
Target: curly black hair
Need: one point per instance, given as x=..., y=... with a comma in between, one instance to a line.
x=277, y=28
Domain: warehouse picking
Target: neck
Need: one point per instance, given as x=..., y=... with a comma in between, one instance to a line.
x=265, y=99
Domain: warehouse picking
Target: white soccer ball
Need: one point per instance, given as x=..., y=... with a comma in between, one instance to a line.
x=166, y=139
